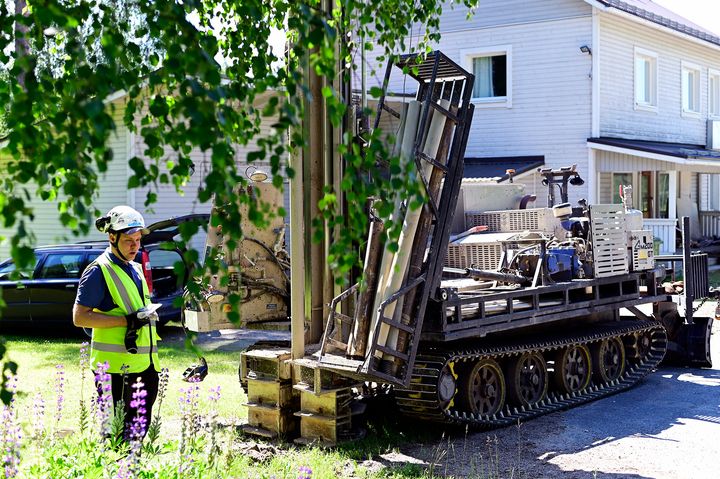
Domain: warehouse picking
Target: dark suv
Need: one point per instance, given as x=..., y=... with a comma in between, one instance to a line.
x=45, y=293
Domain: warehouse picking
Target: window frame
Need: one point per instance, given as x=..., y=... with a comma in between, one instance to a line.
x=614, y=190
x=659, y=194
x=652, y=57
x=80, y=255
x=697, y=69
x=652, y=210
x=469, y=55
x=713, y=112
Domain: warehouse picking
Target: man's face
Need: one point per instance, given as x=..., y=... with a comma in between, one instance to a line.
x=128, y=245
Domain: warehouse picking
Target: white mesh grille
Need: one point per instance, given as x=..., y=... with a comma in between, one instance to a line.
x=512, y=221
x=481, y=256
x=609, y=240
x=492, y=221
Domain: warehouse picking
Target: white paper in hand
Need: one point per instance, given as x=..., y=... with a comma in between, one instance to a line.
x=148, y=310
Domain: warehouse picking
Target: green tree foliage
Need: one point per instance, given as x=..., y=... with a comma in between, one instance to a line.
x=194, y=73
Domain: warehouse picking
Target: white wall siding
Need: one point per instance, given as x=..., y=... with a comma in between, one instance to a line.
x=605, y=185
x=618, y=117
x=608, y=161
x=533, y=186
x=492, y=13
x=704, y=192
x=551, y=112
x=694, y=186
x=551, y=91
x=171, y=204
x=48, y=228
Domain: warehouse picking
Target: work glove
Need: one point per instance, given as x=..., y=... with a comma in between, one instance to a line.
x=135, y=321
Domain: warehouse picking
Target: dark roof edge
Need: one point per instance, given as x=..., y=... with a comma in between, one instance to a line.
x=521, y=171
x=625, y=143
x=533, y=161
x=663, y=21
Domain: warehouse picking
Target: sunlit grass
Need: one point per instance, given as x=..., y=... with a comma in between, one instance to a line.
x=38, y=357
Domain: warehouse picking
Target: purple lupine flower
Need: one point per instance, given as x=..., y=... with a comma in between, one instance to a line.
x=138, y=428
x=305, y=472
x=104, y=402
x=190, y=424
x=11, y=386
x=38, y=417
x=163, y=382
x=186, y=465
x=162, y=388
x=10, y=441
x=84, y=366
x=139, y=421
x=84, y=358
x=60, y=391
x=124, y=470
x=10, y=431
x=214, y=397
x=214, y=394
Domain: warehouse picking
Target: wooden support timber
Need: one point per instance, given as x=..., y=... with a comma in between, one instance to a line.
x=272, y=401
x=326, y=408
x=325, y=419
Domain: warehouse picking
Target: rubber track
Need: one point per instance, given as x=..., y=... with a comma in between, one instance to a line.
x=421, y=399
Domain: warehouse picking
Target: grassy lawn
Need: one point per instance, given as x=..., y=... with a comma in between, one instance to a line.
x=38, y=360
x=37, y=372
x=714, y=279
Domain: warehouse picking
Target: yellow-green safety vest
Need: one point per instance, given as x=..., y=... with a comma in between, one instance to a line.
x=108, y=344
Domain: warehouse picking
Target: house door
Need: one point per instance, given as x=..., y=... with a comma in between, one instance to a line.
x=647, y=194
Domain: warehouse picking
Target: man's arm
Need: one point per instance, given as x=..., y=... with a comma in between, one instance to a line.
x=90, y=294
x=85, y=317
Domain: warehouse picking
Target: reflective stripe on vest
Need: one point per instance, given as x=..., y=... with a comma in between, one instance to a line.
x=122, y=291
x=115, y=348
x=108, y=344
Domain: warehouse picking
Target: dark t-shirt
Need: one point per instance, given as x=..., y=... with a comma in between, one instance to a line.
x=92, y=289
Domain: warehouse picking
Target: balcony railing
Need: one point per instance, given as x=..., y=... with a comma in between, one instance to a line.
x=710, y=223
x=663, y=229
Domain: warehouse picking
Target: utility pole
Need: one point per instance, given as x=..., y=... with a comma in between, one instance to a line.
x=316, y=165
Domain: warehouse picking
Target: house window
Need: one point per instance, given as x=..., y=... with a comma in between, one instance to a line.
x=662, y=200
x=490, y=76
x=645, y=79
x=690, y=88
x=620, y=179
x=714, y=93
x=492, y=68
x=647, y=194
x=651, y=191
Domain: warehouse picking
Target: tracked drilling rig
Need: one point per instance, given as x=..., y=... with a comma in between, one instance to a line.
x=546, y=309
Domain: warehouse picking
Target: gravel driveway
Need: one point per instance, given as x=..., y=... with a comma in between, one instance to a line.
x=666, y=427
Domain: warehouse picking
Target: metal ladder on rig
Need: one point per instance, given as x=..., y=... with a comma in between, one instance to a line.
x=440, y=80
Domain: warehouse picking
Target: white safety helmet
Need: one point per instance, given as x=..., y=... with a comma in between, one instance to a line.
x=121, y=219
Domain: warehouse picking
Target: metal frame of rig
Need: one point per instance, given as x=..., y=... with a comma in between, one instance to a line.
x=575, y=311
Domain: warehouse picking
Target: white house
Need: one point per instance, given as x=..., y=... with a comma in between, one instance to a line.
x=113, y=189
x=627, y=90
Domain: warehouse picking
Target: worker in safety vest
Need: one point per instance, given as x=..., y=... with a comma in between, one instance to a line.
x=113, y=299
